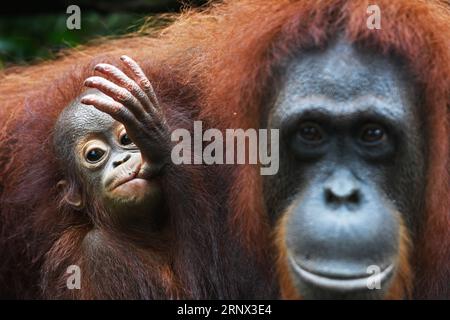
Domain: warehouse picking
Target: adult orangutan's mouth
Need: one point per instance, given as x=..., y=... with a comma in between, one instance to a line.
x=340, y=283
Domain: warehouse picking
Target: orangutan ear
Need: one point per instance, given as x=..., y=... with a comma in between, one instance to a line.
x=71, y=196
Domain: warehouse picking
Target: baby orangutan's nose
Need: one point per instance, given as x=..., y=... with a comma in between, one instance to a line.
x=119, y=162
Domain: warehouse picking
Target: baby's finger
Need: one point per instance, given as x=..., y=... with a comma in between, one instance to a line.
x=115, y=109
x=116, y=75
x=119, y=94
x=140, y=78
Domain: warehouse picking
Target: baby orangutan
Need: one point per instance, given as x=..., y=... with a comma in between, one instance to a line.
x=114, y=149
x=113, y=143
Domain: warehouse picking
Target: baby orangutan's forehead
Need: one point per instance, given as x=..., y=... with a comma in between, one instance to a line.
x=86, y=119
x=79, y=120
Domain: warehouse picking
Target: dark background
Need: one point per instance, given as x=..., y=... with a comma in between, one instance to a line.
x=31, y=31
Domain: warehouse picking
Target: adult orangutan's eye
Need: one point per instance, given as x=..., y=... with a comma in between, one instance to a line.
x=311, y=132
x=372, y=134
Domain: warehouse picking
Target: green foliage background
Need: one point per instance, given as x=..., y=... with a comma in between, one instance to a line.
x=25, y=38
x=30, y=37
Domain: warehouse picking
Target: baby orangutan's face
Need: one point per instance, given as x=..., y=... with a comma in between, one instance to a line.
x=112, y=162
x=109, y=163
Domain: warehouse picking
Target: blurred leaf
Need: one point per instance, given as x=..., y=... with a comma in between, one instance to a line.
x=25, y=38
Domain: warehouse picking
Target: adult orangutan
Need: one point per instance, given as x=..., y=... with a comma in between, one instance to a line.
x=363, y=115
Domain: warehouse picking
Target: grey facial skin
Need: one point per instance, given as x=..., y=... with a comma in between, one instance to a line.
x=352, y=165
x=342, y=81
x=115, y=180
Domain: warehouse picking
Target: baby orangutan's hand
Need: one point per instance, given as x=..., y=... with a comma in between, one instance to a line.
x=134, y=104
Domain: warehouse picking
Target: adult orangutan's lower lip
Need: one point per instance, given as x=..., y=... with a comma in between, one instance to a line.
x=336, y=282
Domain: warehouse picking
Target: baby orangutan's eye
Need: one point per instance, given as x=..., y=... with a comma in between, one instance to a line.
x=125, y=140
x=94, y=155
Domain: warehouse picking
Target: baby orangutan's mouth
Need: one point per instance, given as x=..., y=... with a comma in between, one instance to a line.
x=136, y=173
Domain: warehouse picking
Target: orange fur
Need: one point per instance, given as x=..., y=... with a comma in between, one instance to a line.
x=288, y=290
